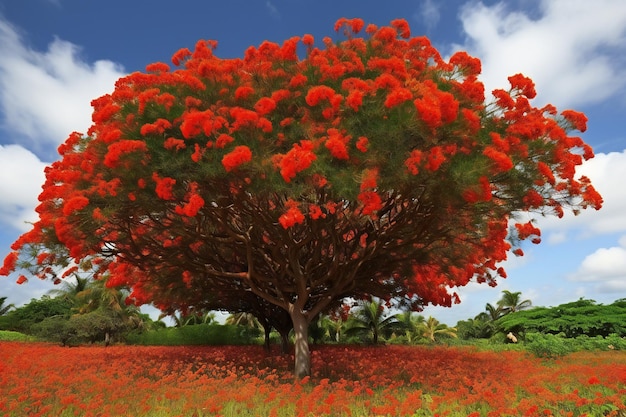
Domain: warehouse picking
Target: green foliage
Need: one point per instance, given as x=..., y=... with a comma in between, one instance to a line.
x=200, y=334
x=23, y=318
x=582, y=317
x=9, y=336
x=547, y=345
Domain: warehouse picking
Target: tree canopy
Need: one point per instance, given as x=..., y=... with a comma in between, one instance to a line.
x=369, y=167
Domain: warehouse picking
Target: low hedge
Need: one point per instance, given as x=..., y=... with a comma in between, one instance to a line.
x=197, y=334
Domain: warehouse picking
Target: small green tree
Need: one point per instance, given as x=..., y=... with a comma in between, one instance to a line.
x=4, y=309
x=370, y=319
x=512, y=302
x=432, y=330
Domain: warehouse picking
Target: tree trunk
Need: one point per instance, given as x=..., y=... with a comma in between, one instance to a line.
x=267, y=330
x=284, y=342
x=302, y=366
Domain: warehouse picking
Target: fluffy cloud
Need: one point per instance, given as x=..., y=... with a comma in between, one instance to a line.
x=21, y=177
x=44, y=96
x=606, y=267
x=606, y=171
x=428, y=13
x=574, y=51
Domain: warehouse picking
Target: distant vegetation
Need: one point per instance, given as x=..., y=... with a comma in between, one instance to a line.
x=87, y=312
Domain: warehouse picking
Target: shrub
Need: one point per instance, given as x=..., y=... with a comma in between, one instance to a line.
x=9, y=336
x=548, y=345
x=199, y=334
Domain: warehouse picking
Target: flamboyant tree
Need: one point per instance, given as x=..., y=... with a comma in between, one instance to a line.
x=367, y=167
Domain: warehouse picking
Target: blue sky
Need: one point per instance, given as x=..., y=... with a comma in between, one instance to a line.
x=58, y=55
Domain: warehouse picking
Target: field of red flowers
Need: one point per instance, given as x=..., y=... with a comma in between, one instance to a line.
x=39, y=379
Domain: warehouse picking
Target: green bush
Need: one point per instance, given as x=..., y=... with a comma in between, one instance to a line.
x=548, y=345
x=9, y=336
x=199, y=334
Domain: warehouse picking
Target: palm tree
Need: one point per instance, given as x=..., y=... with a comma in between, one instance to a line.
x=431, y=328
x=491, y=313
x=370, y=318
x=70, y=289
x=511, y=302
x=96, y=296
x=4, y=309
x=244, y=319
x=409, y=323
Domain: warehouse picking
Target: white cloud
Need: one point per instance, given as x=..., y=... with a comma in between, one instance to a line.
x=607, y=173
x=606, y=267
x=272, y=9
x=574, y=51
x=44, y=96
x=21, y=178
x=428, y=14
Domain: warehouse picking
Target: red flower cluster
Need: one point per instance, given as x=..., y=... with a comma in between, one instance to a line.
x=292, y=216
x=238, y=156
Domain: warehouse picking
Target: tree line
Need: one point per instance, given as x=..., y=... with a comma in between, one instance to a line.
x=86, y=312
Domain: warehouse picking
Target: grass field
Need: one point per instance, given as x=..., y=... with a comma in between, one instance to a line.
x=39, y=379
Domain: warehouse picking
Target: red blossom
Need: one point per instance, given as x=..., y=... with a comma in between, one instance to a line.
x=523, y=84
x=292, y=216
x=164, y=186
x=501, y=161
x=265, y=105
x=362, y=143
x=299, y=158
x=318, y=93
x=9, y=263
x=118, y=149
x=397, y=96
x=240, y=155
x=413, y=161
x=403, y=27
x=577, y=119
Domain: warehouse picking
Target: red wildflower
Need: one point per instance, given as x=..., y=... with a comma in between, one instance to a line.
x=240, y=155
